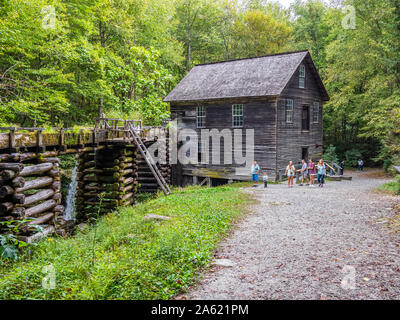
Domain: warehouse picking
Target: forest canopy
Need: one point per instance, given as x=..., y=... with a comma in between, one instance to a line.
x=63, y=62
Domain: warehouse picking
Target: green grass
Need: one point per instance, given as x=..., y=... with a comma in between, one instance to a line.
x=125, y=257
x=392, y=187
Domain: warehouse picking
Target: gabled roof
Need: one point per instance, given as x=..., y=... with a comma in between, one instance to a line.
x=252, y=77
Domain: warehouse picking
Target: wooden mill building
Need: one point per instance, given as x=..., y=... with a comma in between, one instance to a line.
x=280, y=96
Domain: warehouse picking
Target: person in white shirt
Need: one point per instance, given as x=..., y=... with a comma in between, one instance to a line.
x=360, y=165
x=265, y=179
x=290, y=171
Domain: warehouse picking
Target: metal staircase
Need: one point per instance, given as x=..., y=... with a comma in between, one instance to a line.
x=150, y=161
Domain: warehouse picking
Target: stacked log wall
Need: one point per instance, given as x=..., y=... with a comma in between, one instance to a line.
x=30, y=193
x=107, y=179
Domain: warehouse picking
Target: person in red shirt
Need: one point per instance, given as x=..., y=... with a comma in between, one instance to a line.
x=311, y=172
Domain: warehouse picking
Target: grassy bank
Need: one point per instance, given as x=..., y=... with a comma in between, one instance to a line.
x=125, y=257
x=392, y=187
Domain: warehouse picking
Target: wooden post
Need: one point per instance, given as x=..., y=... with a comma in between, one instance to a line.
x=39, y=135
x=12, y=140
x=62, y=140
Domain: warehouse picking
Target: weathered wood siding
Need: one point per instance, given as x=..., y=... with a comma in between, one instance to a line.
x=258, y=114
x=291, y=138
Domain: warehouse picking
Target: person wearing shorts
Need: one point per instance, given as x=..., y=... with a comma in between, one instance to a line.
x=311, y=172
x=290, y=170
x=255, y=169
x=304, y=172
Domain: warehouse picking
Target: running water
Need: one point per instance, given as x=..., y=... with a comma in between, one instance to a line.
x=70, y=201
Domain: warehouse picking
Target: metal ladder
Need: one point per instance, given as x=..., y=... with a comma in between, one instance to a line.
x=150, y=161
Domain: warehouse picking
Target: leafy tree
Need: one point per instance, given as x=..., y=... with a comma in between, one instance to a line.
x=330, y=155
x=352, y=156
x=260, y=34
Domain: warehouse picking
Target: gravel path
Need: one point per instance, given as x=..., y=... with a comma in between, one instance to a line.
x=297, y=241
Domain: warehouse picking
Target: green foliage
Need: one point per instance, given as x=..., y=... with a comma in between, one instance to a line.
x=126, y=257
x=363, y=80
x=259, y=33
x=9, y=244
x=330, y=155
x=352, y=156
x=392, y=187
x=386, y=164
x=8, y=247
x=87, y=63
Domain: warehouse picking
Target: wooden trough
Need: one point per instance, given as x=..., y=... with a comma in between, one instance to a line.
x=109, y=174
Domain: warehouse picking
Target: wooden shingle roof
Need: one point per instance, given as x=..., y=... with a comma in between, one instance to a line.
x=253, y=77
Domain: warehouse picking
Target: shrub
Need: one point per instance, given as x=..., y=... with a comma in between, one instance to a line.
x=330, y=154
x=352, y=156
x=387, y=164
x=397, y=185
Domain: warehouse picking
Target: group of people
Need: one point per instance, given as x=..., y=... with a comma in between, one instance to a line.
x=308, y=172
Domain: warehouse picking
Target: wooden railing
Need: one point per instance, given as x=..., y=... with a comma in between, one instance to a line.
x=105, y=130
x=114, y=127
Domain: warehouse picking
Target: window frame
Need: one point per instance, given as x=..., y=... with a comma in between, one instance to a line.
x=287, y=120
x=302, y=76
x=201, y=117
x=316, y=112
x=239, y=117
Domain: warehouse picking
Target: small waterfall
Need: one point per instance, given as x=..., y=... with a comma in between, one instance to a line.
x=70, y=201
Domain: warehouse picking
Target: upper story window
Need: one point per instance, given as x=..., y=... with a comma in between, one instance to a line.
x=201, y=116
x=237, y=115
x=289, y=111
x=302, y=76
x=316, y=112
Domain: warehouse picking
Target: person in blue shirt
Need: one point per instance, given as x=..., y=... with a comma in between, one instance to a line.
x=321, y=168
x=304, y=172
x=255, y=169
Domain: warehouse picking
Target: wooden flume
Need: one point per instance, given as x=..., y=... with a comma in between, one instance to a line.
x=110, y=172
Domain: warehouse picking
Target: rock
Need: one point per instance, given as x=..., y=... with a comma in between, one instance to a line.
x=223, y=263
x=156, y=217
x=82, y=226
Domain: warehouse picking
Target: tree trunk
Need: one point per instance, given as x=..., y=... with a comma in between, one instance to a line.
x=59, y=209
x=6, y=191
x=45, y=206
x=37, y=236
x=39, y=196
x=35, y=184
x=52, y=160
x=17, y=167
x=8, y=174
x=6, y=207
x=36, y=170
x=19, y=198
x=42, y=219
x=18, y=182
x=56, y=186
